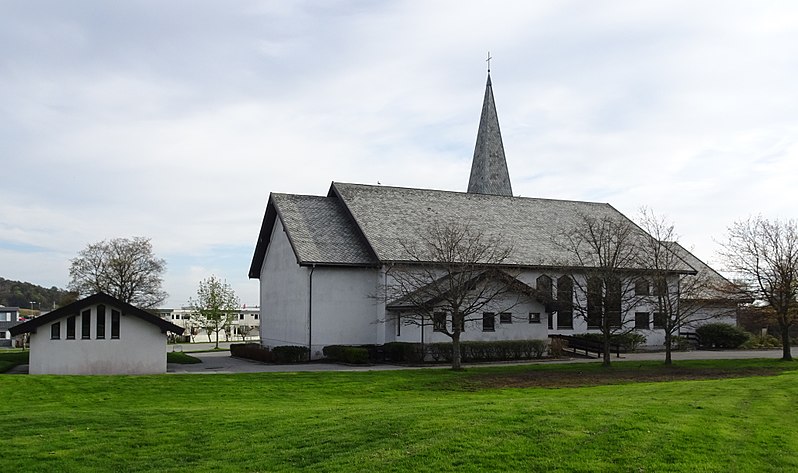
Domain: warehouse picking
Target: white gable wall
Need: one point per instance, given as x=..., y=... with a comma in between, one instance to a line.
x=284, y=291
x=140, y=348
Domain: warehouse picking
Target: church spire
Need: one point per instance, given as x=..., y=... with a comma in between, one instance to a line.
x=489, y=173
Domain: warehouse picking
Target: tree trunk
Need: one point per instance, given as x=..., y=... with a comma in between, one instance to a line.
x=785, y=342
x=668, y=350
x=217, y=340
x=606, y=355
x=456, y=364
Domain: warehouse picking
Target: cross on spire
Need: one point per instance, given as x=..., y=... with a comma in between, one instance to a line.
x=488, y=61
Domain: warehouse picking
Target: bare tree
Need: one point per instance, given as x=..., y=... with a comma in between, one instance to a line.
x=123, y=268
x=764, y=255
x=244, y=330
x=450, y=278
x=217, y=304
x=605, y=255
x=678, y=297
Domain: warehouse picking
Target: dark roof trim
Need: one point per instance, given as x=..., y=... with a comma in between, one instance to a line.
x=333, y=192
x=264, y=236
x=99, y=298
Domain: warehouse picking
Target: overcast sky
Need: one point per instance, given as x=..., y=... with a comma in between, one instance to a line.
x=175, y=119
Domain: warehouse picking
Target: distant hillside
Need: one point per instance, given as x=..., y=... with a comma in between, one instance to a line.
x=20, y=294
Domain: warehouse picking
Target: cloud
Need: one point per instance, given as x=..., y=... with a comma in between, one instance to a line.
x=174, y=121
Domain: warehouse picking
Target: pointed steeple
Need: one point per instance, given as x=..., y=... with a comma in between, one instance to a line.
x=489, y=173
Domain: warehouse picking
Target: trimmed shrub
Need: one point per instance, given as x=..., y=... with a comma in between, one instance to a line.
x=402, y=352
x=505, y=350
x=719, y=335
x=762, y=341
x=628, y=342
x=347, y=354
x=251, y=351
x=290, y=354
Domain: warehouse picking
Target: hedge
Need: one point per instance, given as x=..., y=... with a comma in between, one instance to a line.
x=251, y=351
x=719, y=335
x=290, y=354
x=505, y=350
x=629, y=342
x=281, y=354
x=346, y=354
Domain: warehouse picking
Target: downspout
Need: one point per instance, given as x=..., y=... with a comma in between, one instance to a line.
x=310, y=312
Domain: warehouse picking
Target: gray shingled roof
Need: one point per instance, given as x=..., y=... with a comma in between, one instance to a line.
x=489, y=173
x=364, y=225
x=391, y=216
x=321, y=231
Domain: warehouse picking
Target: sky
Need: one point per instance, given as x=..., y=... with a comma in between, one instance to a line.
x=174, y=120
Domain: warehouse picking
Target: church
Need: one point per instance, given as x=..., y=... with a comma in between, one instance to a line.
x=322, y=259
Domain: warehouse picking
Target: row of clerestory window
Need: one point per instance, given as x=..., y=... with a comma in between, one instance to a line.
x=101, y=327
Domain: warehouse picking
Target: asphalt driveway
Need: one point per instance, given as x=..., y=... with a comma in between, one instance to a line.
x=222, y=362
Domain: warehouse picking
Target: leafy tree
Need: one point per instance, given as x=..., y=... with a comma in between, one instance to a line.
x=764, y=255
x=123, y=268
x=450, y=278
x=217, y=305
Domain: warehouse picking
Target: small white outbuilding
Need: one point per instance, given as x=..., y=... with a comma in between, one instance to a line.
x=97, y=335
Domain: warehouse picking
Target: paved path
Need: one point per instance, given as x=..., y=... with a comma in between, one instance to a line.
x=222, y=362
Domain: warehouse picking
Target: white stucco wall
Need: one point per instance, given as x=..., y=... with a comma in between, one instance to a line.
x=140, y=348
x=283, y=294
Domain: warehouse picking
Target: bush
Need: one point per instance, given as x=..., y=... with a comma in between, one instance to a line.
x=719, y=335
x=505, y=350
x=679, y=343
x=557, y=347
x=251, y=351
x=290, y=354
x=402, y=352
x=628, y=342
x=762, y=341
x=347, y=354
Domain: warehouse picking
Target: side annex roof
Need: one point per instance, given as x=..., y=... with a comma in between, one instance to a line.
x=319, y=229
x=99, y=298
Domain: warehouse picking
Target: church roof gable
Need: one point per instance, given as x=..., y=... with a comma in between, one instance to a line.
x=319, y=230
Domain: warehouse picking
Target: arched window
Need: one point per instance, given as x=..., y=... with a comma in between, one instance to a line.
x=544, y=287
x=565, y=300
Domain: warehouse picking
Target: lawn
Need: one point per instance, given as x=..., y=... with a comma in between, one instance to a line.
x=493, y=419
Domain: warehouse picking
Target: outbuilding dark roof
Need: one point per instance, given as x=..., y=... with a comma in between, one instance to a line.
x=99, y=298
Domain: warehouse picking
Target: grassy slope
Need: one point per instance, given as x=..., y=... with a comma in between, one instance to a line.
x=396, y=421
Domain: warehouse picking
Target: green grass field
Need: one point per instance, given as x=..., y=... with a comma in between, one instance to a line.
x=419, y=420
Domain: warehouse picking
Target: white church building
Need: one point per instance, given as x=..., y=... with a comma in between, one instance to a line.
x=322, y=261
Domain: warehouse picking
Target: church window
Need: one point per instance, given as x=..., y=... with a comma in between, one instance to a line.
x=642, y=320
x=115, y=321
x=100, y=322
x=594, y=303
x=660, y=287
x=439, y=321
x=70, y=327
x=85, y=325
x=534, y=317
x=565, y=298
x=613, y=301
x=659, y=320
x=398, y=325
x=642, y=287
x=544, y=286
x=55, y=331
x=488, y=322
x=505, y=318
